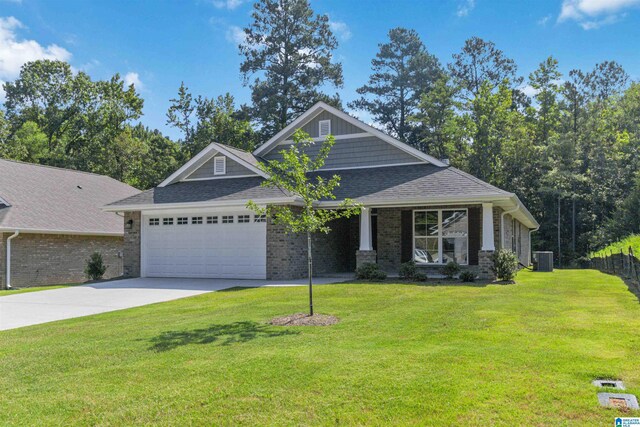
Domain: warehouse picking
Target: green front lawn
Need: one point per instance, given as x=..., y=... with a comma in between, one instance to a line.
x=402, y=354
x=4, y=292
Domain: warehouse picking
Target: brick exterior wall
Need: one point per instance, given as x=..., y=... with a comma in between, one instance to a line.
x=48, y=259
x=287, y=253
x=389, y=239
x=132, y=244
x=522, y=244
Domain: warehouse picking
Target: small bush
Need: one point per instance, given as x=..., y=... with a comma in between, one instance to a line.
x=370, y=271
x=451, y=269
x=95, y=267
x=420, y=277
x=468, y=276
x=505, y=264
x=408, y=270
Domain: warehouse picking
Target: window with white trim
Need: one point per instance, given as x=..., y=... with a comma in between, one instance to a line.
x=259, y=218
x=441, y=236
x=243, y=219
x=212, y=220
x=219, y=165
x=227, y=219
x=196, y=220
x=167, y=221
x=324, y=127
x=154, y=221
x=183, y=220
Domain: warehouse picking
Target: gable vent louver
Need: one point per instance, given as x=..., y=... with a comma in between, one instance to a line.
x=325, y=127
x=219, y=165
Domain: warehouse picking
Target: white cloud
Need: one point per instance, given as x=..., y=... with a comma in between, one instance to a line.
x=529, y=90
x=15, y=52
x=235, y=35
x=465, y=7
x=544, y=20
x=340, y=29
x=227, y=4
x=593, y=14
x=133, y=78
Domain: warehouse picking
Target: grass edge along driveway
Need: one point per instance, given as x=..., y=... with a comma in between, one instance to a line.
x=401, y=355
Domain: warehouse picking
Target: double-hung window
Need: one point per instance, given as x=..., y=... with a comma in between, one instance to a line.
x=440, y=236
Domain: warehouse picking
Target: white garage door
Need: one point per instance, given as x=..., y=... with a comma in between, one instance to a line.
x=215, y=245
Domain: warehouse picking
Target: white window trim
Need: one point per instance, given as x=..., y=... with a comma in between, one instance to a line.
x=215, y=165
x=320, y=123
x=440, y=249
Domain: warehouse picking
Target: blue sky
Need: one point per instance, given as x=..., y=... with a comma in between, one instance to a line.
x=157, y=44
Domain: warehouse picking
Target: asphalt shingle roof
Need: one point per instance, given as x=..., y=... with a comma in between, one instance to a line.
x=215, y=190
x=385, y=183
x=53, y=199
x=409, y=182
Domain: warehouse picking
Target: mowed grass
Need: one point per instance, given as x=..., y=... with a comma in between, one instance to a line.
x=522, y=354
x=632, y=241
x=4, y=292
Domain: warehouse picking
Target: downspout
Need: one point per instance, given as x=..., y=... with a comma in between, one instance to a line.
x=531, y=230
x=15, y=234
x=502, y=223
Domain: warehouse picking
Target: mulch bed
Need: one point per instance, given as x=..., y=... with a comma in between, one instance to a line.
x=302, y=319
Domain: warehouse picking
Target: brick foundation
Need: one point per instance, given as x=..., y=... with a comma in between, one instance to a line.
x=484, y=265
x=365, y=257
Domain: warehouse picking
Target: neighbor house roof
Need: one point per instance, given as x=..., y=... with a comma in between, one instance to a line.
x=44, y=199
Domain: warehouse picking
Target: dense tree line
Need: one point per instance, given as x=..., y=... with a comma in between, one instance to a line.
x=567, y=145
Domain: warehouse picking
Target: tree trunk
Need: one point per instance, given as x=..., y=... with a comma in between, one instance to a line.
x=310, y=258
x=559, y=243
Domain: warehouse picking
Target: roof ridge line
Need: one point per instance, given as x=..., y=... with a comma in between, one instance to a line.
x=20, y=162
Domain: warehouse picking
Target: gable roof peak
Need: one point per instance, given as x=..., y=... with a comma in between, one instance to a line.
x=319, y=106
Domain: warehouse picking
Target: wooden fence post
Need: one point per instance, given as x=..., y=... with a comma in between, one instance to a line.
x=632, y=257
x=623, y=273
x=613, y=262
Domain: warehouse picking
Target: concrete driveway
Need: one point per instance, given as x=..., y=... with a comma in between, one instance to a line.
x=33, y=308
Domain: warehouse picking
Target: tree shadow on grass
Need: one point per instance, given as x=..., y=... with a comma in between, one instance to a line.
x=231, y=333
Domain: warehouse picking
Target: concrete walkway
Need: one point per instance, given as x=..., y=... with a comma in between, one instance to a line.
x=33, y=308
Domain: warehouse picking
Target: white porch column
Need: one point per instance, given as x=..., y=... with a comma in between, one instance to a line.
x=487, y=227
x=365, y=230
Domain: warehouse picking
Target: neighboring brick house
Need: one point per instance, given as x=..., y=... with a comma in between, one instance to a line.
x=51, y=221
x=416, y=207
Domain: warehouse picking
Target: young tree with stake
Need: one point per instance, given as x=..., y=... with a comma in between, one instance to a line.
x=295, y=175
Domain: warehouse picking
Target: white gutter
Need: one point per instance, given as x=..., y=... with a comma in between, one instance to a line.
x=65, y=232
x=8, y=279
x=517, y=208
x=195, y=205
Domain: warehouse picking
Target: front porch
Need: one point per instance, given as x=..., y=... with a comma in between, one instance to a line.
x=431, y=235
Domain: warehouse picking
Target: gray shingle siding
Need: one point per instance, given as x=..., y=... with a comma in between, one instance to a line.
x=355, y=152
x=338, y=126
x=233, y=169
